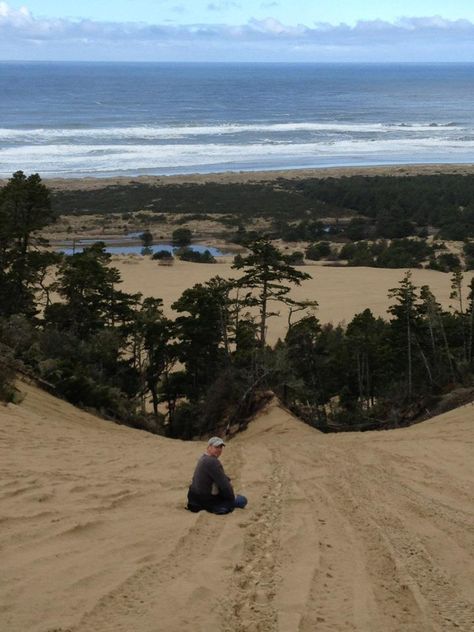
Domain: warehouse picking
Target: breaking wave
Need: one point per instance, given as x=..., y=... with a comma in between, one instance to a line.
x=108, y=159
x=151, y=132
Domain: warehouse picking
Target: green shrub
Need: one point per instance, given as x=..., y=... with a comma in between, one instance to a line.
x=318, y=250
x=296, y=258
x=162, y=254
x=181, y=237
x=186, y=421
x=446, y=262
x=468, y=251
x=7, y=374
x=188, y=254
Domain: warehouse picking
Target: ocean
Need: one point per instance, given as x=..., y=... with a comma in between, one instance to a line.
x=109, y=119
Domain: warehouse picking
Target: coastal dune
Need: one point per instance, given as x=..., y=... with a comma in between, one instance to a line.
x=366, y=532
x=341, y=292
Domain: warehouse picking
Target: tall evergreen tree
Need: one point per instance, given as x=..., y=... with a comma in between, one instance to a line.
x=470, y=314
x=268, y=276
x=405, y=317
x=153, y=351
x=91, y=302
x=437, y=343
x=25, y=208
x=368, y=345
x=203, y=332
x=457, y=294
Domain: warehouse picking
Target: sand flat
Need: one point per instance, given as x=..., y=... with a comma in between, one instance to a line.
x=341, y=292
x=363, y=532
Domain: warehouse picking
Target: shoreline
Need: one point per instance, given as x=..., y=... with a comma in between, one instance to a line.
x=245, y=177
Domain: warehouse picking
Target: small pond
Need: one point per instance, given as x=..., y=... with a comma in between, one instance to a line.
x=120, y=247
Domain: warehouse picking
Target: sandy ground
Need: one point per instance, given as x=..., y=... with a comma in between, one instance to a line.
x=260, y=176
x=357, y=532
x=341, y=292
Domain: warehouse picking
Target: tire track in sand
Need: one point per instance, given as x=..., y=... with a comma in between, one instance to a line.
x=167, y=586
x=341, y=596
x=424, y=576
x=358, y=582
x=136, y=601
x=414, y=589
x=253, y=584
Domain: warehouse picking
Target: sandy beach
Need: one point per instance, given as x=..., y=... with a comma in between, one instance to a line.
x=363, y=532
x=242, y=177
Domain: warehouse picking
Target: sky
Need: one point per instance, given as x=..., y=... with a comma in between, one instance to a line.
x=238, y=30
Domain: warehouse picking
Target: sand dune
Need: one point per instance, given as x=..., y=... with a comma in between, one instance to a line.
x=365, y=532
x=341, y=292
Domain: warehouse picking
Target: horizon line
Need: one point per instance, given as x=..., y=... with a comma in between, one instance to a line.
x=243, y=62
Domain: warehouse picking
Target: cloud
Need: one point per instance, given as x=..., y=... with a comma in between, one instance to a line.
x=223, y=5
x=13, y=16
x=421, y=38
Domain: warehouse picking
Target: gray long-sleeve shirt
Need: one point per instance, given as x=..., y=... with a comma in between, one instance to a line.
x=209, y=470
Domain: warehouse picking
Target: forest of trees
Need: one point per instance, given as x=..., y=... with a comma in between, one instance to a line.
x=382, y=207
x=119, y=354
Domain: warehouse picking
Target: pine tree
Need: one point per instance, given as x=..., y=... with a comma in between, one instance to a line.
x=153, y=351
x=457, y=294
x=202, y=332
x=267, y=277
x=438, y=341
x=25, y=208
x=367, y=341
x=470, y=312
x=405, y=316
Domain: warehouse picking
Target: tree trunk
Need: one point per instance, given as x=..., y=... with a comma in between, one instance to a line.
x=409, y=356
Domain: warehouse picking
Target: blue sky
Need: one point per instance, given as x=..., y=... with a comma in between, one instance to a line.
x=238, y=30
x=237, y=12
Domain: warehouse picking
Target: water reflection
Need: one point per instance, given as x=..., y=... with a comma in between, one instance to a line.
x=120, y=247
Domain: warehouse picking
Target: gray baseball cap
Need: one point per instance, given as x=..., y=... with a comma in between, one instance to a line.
x=215, y=441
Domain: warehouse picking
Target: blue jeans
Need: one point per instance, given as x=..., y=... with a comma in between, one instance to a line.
x=239, y=503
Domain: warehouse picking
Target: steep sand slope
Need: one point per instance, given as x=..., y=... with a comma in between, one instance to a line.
x=365, y=532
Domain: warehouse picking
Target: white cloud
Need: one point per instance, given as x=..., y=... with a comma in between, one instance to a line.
x=14, y=16
x=223, y=5
x=22, y=35
x=271, y=26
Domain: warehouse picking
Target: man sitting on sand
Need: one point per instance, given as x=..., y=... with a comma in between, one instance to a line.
x=210, y=488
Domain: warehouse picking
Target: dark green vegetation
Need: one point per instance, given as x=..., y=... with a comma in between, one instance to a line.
x=396, y=253
x=209, y=368
x=163, y=255
x=381, y=206
x=188, y=254
x=181, y=237
x=347, y=210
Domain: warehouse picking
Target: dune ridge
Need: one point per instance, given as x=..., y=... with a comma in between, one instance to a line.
x=362, y=532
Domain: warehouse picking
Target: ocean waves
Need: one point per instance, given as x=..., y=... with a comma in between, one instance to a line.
x=103, y=159
x=151, y=132
x=101, y=119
